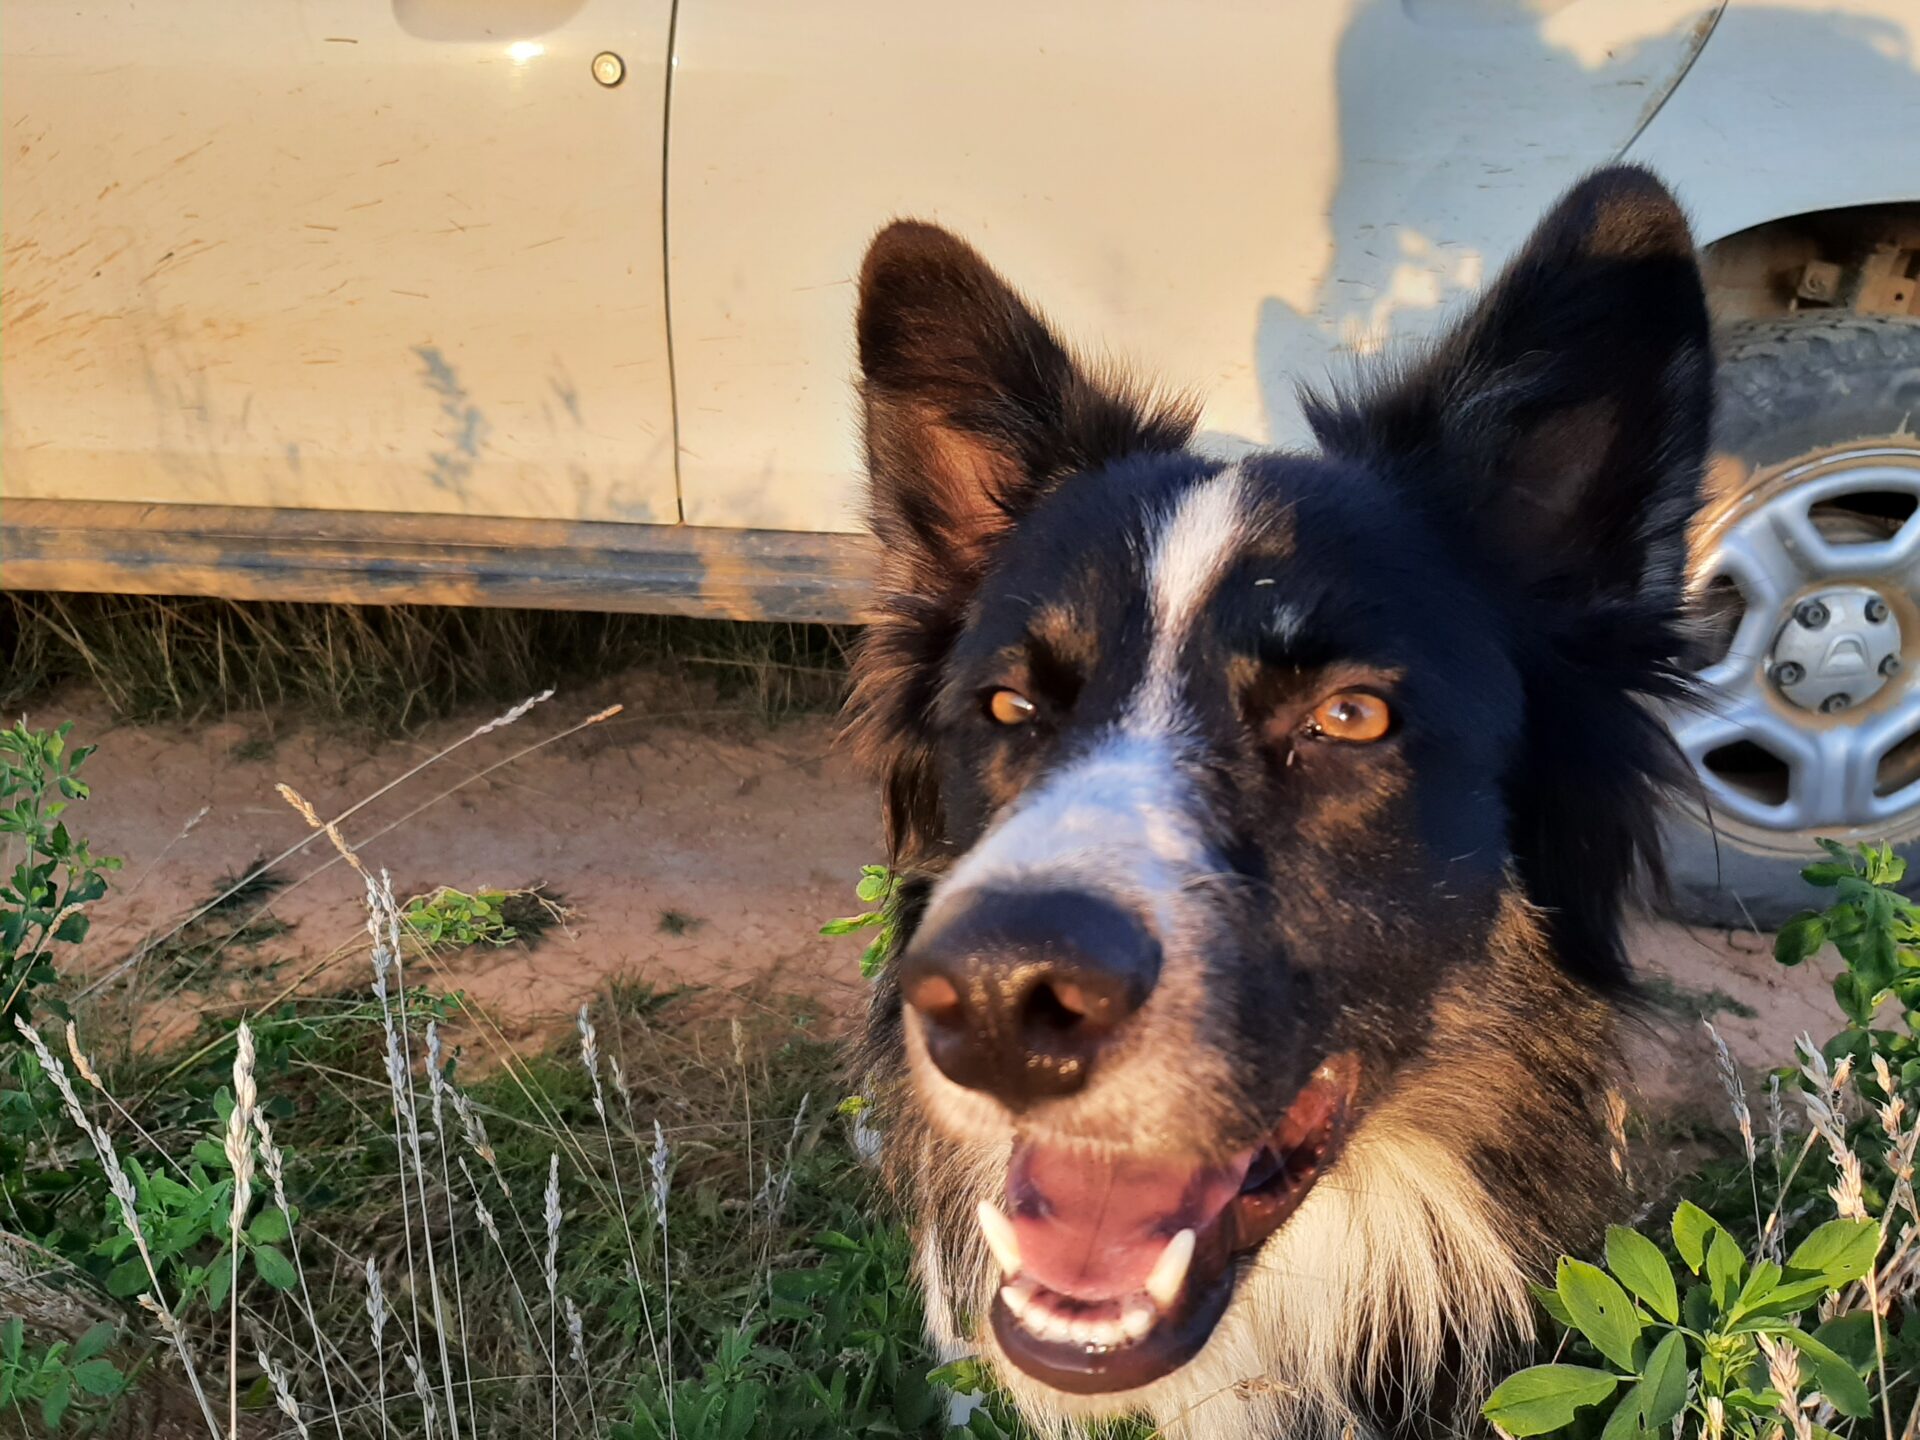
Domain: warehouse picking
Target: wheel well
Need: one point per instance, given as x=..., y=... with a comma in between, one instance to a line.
x=1864, y=259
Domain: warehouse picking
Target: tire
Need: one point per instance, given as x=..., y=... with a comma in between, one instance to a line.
x=1791, y=390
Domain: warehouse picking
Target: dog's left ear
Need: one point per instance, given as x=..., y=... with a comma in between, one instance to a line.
x=1566, y=419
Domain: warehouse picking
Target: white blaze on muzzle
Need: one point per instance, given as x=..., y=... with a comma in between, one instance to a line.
x=1126, y=818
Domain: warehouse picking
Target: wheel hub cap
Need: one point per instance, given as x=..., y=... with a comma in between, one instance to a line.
x=1807, y=578
x=1837, y=649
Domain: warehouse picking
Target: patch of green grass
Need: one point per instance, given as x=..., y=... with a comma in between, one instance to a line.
x=387, y=669
x=774, y=1300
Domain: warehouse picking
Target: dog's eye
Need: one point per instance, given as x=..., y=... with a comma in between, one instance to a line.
x=1356, y=716
x=1009, y=707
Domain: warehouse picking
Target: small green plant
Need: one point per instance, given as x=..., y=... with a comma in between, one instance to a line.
x=678, y=923
x=1714, y=1346
x=1875, y=928
x=1753, y=1341
x=455, y=919
x=186, y=1224
x=54, y=1378
x=876, y=889
x=51, y=876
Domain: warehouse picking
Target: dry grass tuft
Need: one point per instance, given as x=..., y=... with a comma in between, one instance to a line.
x=386, y=669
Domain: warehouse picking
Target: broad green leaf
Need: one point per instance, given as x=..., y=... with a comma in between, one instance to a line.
x=1600, y=1310
x=1758, y=1290
x=1725, y=1268
x=94, y=1342
x=1624, y=1422
x=850, y=924
x=274, y=1268
x=1789, y=1297
x=1545, y=1397
x=219, y=1280
x=1637, y=1263
x=54, y=1407
x=1841, y=1250
x=1850, y=1337
x=1550, y=1302
x=1664, y=1383
x=1834, y=1376
x=1800, y=937
x=1854, y=998
x=1692, y=1229
x=269, y=1226
x=128, y=1279
x=97, y=1377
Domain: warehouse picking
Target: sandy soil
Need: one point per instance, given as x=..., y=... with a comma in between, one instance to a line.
x=692, y=848
x=749, y=835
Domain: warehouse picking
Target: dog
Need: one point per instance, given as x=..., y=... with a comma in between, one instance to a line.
x=1263, y=827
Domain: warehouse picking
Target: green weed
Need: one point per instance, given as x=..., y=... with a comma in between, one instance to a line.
x=1716, y=1328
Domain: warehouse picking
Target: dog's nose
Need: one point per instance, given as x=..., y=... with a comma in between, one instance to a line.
x=1019, y=990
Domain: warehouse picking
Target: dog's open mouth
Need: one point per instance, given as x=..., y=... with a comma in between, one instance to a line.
x=1115, y=1271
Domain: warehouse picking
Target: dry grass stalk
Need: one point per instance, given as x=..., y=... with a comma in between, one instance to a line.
x=377, y=1322
x=590, y=1061
x=123, y=1194
x=238, y=1144
x=1783, y=1371
x=274, y=1163
x=283, y=1395
x=553, y=1276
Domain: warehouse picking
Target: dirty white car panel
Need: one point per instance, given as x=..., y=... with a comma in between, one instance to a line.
x=1230, y=195
x=337, y=255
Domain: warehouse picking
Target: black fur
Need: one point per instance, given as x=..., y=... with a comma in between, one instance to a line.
x=1493, y=538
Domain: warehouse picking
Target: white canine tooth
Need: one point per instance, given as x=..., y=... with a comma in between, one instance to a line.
x=1001, y=1240
x=1137, y=1316
x=1170, y=1270
x=1018, y=1295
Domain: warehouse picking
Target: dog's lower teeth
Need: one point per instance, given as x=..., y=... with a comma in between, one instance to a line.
x=1037, y=1311
x=1018, y=1295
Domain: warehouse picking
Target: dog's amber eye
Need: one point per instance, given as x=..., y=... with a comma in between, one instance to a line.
x=1353, y=715
x=1009, y=707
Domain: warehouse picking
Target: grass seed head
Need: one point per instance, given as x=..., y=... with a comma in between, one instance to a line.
x=576, y=1332
x=282, y=1395
x=553, y=1226
x=658, y=1163
x=376, y=1305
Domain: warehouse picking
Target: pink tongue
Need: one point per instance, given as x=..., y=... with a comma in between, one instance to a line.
x=1093, y=1228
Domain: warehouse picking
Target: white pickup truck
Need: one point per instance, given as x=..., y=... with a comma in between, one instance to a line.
x=547, y=302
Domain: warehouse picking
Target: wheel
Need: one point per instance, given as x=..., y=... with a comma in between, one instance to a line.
x=1806, y=580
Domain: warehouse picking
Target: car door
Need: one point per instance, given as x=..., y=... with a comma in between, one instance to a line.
x=1233, y=194
x=391, y=256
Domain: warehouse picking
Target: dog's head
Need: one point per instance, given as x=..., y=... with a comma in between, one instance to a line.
x=1211, y=779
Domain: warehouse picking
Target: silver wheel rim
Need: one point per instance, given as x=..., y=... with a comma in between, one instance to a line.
x=1824, y=536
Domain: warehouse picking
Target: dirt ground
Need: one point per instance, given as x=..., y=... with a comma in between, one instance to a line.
x=696, y=846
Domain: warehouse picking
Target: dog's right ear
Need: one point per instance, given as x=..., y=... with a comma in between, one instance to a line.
x=973, y=407
x=973, y=411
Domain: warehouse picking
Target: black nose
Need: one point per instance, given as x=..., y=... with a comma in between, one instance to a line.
x=1020, y=990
